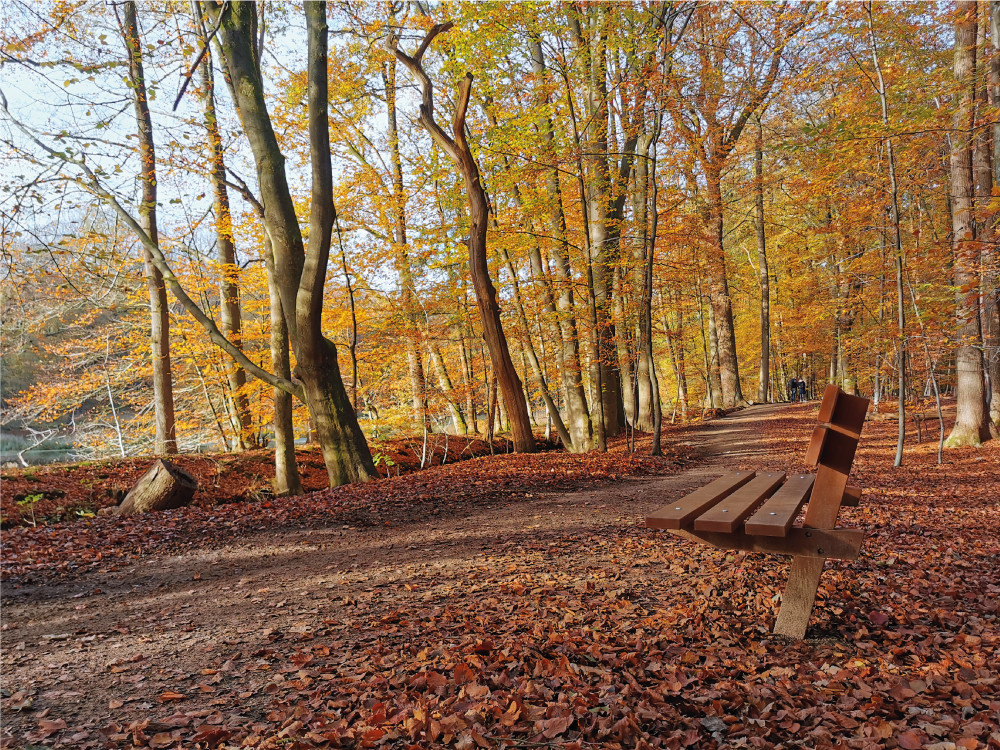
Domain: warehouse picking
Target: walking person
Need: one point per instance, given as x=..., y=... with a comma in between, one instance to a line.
x=802, y=389
x=793, y=389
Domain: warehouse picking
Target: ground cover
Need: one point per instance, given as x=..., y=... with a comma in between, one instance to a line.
x=515, y=602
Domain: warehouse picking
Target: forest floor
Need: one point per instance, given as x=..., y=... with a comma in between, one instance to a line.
x=515, y=601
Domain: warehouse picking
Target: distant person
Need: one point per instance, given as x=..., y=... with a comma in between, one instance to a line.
x=802, y=390
x=793, y=389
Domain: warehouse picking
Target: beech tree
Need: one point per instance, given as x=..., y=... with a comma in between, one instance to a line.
x=458, y=150
x=300, y=272
x=159, y=314
x=972, y=425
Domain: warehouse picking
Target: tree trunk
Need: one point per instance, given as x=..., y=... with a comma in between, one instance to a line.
x=468, y=380
x=718, y=295
x=972, y=423
x=763, y=394
x=457, y=148
x=444, y=379
x=603, y=212
x=675, y=343
x=643, y=416
x=991, y=278
x=286, y=472
x=532, y=357
x=715, y=397
x=578, y=413
x=401, y=257
x=163, y=487
x=159, y=329
x=229, y=287
x=897, y=246
x=300, y=275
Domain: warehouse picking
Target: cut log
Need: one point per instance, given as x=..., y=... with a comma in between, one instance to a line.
x=164, y=487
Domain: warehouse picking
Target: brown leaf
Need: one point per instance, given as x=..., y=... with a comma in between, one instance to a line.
x=554, y=727
x=910, y=740
x=48, y=728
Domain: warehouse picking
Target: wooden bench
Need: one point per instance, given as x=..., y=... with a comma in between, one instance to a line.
x=756, y=511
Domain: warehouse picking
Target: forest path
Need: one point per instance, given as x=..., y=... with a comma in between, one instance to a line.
x=129, y=635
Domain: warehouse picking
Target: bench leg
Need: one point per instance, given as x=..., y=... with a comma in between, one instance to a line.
x=800, y=594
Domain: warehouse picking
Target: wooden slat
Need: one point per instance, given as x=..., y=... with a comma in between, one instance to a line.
x=816, y=445
x=830, y=396
x=775, y=517
x=849, y=413
x=679, y=514
x=729, y=514
x=852, y=496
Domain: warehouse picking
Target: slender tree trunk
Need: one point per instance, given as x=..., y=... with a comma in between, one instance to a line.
x=444, y=379
x=897, y=245
x=286, y=472
x=352, y=344
x=229, y=291
x=990, y=257
x=646, y=308
x=716, y=398
x=643, y=408
x=468, y=381
x=159, y=313
x=401, y=257
x=763, y=395
x=577, y=410
x=972, y=423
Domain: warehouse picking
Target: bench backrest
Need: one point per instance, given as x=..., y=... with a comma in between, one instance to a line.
x=831, y=449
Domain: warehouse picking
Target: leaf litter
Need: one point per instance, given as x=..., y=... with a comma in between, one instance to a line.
x=514, y=601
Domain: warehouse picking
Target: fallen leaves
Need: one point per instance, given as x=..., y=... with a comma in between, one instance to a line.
x=607, y=635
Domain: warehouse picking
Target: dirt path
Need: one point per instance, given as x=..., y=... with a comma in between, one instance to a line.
x=107, y=646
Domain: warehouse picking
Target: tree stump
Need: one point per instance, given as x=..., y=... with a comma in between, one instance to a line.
x=164, y=487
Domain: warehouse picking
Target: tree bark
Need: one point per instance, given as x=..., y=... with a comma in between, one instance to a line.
x=159, y=314
x=991, y=277
x=763, y=386
x=286, y=472
x=718, y=295
x=898, y=259
x=604, y=212
x=971, y=423
x=642, y=396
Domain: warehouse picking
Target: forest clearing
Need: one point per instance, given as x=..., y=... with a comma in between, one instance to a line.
x=369, y=368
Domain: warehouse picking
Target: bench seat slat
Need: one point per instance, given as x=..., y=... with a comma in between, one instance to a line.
x=678, y=515
x=775, y=517
x=729, y=514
